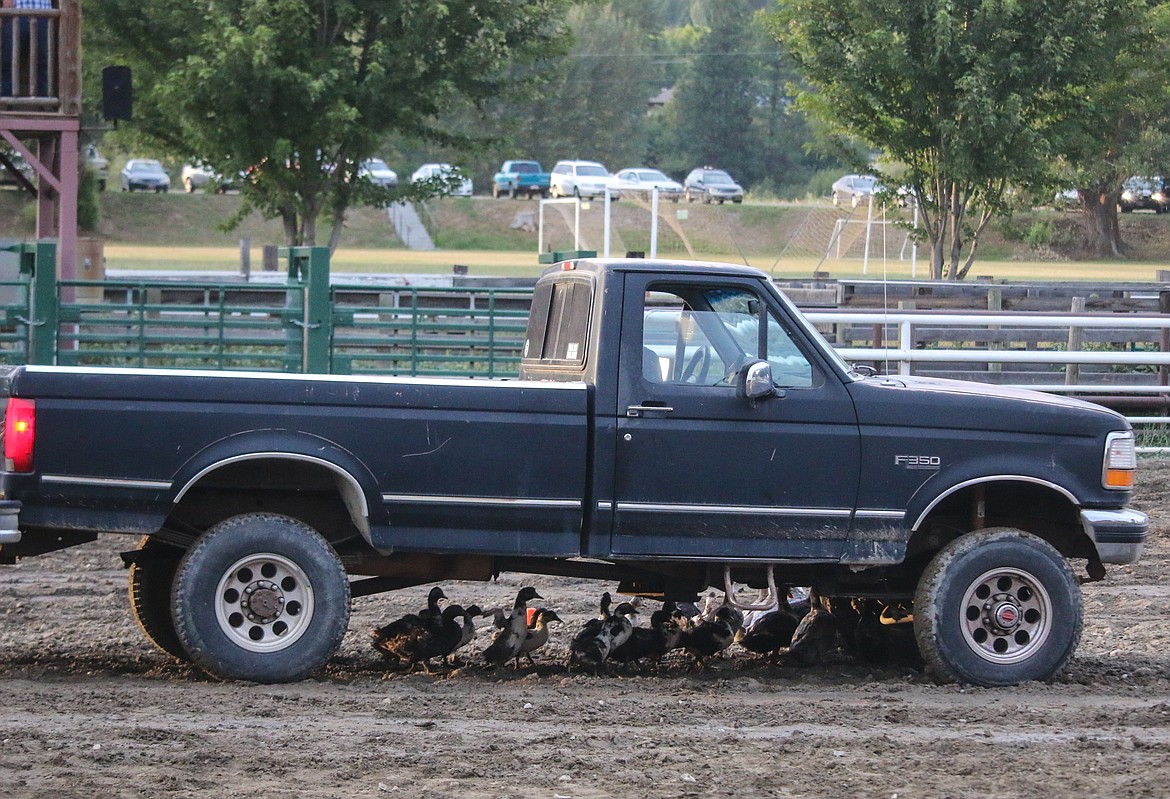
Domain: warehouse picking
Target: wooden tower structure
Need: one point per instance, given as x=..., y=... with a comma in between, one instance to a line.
x=40, y=114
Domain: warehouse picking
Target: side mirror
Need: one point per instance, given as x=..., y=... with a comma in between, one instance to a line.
x=754, y=381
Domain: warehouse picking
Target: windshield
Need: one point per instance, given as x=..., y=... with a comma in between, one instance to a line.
x=591, y=172
x=865, y=182
x=651, y=176
x=146, y=166
x=376, y=164
x=1141, y=184
x=719, y=178
x=523, y=168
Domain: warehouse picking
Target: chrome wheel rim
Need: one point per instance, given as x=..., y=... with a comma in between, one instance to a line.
x=264, y=602
x=1006, y=616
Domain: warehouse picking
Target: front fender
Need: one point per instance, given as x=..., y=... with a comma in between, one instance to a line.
x=948, y=482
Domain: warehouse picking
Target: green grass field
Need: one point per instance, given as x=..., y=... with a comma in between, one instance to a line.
x=514, y=263
x=178, y=231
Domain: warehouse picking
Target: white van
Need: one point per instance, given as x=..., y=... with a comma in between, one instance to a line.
x=584, y=179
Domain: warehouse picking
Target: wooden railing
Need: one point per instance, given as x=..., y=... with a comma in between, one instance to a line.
x=40, y=59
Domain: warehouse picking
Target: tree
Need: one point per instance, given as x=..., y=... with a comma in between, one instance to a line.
x=1120, y=133
x=296, y=93
x=972, y=96
x=713, y=103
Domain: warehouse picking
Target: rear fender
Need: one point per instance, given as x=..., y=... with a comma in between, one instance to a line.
x=355, y=483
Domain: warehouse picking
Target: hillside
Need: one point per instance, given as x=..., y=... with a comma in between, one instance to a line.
x=811, y=234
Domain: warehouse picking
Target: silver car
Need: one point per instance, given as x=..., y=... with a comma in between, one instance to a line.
x=145, y=174
x=711, y=185
x=642, y=179
x=853, y=188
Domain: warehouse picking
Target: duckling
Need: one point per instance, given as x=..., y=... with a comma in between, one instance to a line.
x=816, y=635
x=663, y=635
x=386, y=636
x=432, y=613
x=419, y=643
x=591, y=647
x=510, y=636
x=709, y=638
x=589, y=632
x=537, y=635
x=468, y=632
x=772, y=631
x=622, y=623
x=430, y=616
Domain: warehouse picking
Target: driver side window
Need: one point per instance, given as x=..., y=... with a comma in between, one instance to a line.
x=676, y=345
x=702, y=335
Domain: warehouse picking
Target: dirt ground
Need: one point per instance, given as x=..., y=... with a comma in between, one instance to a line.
x=91, y=709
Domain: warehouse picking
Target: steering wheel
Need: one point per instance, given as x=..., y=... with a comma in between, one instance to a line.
x=697, y=366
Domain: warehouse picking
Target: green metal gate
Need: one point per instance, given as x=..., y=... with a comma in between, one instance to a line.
x=299, y=325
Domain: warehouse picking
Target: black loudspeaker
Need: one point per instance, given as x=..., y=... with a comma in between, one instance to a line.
x=117, y=93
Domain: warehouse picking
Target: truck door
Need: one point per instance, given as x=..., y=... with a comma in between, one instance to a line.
x=703, y=473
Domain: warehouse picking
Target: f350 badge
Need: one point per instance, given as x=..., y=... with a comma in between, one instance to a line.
x=927, y=462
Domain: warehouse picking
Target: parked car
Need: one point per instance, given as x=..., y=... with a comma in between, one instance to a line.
x=1144, y=193
x=195, y=176
x=520, y=177
x=1065, y=199
x=443, y=171
x=711, y=185
x=145, y=174
x=98, y=164
x=853, y=188
x=646, y=180
x=583, y=179
x=378, y=173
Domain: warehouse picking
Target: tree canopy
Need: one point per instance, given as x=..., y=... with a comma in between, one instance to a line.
x=296, y=93
x=970, y=96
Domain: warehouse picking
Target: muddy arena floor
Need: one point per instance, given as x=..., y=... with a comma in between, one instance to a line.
x=88, y=708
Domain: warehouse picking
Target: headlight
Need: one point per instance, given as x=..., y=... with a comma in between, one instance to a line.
x=1158, y=197
x=1127, y=195
x=1120, y=461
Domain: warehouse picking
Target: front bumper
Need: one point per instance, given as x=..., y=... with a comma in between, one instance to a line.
x=1120, y=535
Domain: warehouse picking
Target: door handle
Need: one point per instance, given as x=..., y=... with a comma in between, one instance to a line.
x=638, y=410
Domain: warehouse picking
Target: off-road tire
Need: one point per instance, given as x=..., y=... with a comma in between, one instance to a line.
x=997, y=607
x=261, y=597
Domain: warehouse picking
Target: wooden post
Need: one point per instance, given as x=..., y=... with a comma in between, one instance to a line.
x=1072, y=372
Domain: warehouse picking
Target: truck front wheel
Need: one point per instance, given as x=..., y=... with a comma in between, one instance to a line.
x=997, y=607
x=261, y=597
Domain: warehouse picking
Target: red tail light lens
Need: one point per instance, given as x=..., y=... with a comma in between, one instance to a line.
x=20, y=425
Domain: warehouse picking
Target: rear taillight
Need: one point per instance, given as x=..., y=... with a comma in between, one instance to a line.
x=1120, y=461
x=20, y=427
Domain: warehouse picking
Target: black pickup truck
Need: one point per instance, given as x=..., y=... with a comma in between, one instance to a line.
x=675, y=426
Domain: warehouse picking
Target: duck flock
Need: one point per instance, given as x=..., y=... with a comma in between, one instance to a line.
x=797, y=628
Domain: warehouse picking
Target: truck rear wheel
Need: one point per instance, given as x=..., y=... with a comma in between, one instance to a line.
x=998, y=607
x=261, y=597
x=151, y=577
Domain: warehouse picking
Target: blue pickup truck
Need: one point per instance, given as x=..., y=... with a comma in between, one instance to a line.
x=675, y=426
x=517, y=178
